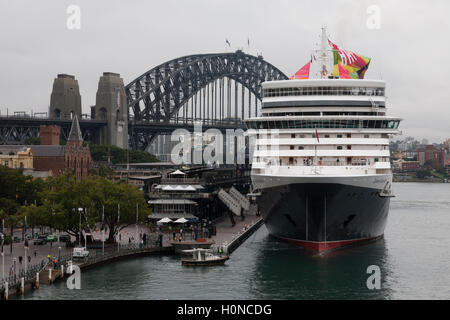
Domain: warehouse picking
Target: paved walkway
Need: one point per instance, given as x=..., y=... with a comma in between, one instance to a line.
x=53, y=248
x=225, y=231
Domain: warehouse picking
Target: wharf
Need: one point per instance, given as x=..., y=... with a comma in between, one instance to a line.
x=231, y=237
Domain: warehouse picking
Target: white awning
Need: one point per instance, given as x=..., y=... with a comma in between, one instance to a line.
x=164, y=220
x=181, y=220
x=177, y=172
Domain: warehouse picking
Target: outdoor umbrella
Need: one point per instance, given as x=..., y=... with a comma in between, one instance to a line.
x=181, y=220
x=165, y=220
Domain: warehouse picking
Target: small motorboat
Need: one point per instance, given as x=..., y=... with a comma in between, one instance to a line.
x=204, y=257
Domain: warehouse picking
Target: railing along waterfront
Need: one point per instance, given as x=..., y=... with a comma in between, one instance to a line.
x=95, y=256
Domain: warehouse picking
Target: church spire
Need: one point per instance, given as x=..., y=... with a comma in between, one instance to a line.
x=75, y=132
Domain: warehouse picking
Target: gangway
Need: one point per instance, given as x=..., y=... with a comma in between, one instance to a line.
x=232, y=203
x=244, y=202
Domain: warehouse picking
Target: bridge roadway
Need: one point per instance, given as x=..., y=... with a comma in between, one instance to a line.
x=17, y=129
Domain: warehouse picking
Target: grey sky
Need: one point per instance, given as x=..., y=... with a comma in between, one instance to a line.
x=409, y=51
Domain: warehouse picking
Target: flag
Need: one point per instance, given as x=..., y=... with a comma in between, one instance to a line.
x=343, y=73
x=317, y=136
x=118, y=99
x=355, y=64
x=303, y=73
x=227, y=42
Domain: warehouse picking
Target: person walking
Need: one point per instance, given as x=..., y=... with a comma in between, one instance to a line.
x=20, y=259
x=29, y=259
x=35, y=253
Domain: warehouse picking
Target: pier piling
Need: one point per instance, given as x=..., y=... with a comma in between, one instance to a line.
x=37, y=281
x=6, y=290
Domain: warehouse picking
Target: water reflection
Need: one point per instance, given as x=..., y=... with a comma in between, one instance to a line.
x=286, y=272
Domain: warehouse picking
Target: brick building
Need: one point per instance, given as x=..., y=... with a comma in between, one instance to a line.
x=409, y=165
x=430, y=153
x=77, y=156
x=50, y=156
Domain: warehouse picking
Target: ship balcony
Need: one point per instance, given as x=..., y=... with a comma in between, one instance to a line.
x=324, y=169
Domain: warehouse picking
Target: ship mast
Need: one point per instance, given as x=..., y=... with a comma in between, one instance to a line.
x=323, y=54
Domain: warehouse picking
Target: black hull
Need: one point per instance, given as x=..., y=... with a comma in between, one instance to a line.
x=322, y=217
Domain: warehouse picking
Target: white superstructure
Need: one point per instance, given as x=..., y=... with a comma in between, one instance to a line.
x=323, y=130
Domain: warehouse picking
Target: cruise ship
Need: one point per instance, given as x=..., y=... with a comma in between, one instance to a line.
x=321, y=160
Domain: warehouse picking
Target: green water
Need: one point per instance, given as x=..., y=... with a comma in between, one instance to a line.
x=414, y=259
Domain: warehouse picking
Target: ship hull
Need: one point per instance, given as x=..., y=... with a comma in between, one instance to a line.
x=324, y=216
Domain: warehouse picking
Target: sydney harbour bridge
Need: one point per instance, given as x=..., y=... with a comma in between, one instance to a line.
x=218, y=90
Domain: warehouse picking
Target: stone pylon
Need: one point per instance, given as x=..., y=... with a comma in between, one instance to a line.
x=65, y=100
x=111, y=105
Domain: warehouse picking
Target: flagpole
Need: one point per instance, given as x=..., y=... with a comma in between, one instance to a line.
x=3, y=253
x=85, y=238
x=137, y=218
x=103, y=229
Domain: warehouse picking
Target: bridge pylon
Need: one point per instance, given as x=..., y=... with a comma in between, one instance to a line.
x=111, y=105
x=65, y=100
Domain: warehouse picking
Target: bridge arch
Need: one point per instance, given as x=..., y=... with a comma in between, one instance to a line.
x=160, y=93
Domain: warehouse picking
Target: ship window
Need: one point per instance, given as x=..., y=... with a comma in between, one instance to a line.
x=349, y=147
x=291, y=147
x=366, y=136
x=339, y=135
x=327, y=136
x=349, y=135
x=339, y=147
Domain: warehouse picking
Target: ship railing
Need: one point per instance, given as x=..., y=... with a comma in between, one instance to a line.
x=319, y=164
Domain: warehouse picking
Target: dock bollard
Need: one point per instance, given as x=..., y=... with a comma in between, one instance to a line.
x=6, y=290
x=37, y=281
x=22, y=286
x=49, y=275
x=62, y=271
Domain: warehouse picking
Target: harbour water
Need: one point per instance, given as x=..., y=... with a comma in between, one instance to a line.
x=414, y=258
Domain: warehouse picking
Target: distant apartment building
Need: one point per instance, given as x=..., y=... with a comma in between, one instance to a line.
x=430, y=153
x=409, y=165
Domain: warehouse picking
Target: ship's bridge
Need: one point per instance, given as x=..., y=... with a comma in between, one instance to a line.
x=329, y=96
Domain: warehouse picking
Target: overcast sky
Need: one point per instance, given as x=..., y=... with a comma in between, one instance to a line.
x=410, y=50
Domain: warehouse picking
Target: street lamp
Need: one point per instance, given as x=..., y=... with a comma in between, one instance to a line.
x=79, y=238
x=25, y=258
x=3, y=253
x=59, y=253
x=14, y=260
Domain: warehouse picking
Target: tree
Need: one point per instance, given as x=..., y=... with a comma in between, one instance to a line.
x=119, y=155
x=16, y=190
x=421, y=174
x=115, y=197
x=64, y=195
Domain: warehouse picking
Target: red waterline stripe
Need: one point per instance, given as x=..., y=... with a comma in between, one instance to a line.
x=325, y=246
